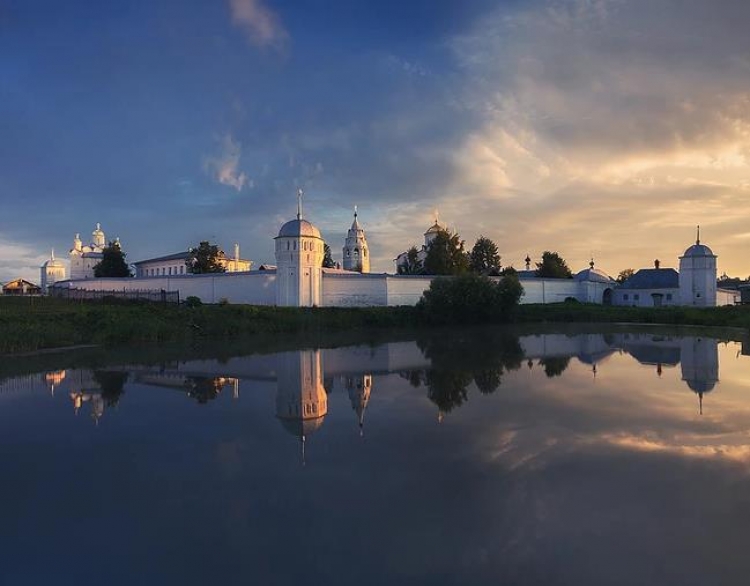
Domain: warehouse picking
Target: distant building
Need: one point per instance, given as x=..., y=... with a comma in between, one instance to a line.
x=21, y=287
x=402, y=260
x=84, y=257
x=52, y=271
x=174, y=264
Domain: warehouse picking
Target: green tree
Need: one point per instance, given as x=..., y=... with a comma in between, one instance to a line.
x=113, y=262
x=484, y=258
x=446, y=255
x=470, y=299
x=413, y=265
x=327, y=258
x=625, y=275
x=207, y=258
x=553, y=266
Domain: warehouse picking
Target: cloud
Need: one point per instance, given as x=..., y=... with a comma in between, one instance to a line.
x=20, y=260
x=262, y=26
x=225, y=167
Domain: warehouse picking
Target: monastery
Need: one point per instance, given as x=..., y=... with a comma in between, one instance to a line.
x=298, y=278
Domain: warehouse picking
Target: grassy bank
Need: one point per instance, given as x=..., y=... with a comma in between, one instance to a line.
x=31, y=324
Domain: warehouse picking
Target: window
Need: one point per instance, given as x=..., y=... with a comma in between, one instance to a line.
x=182, y=270
x=287, y=245
x=636, y=297
x=170, y=270
x=625, y=296
x=669, y=297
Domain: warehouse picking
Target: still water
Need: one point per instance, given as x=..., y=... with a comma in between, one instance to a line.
x=481, y=456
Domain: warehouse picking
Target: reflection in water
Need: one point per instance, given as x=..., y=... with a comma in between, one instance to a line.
x=562, y=468
x=301, y=400
x=358, y=388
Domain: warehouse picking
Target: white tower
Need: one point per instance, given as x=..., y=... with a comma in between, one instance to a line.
x=698, y=275
x=699, y=360
x=356, y=251
x=301, y=400
x=53, y=270
x=299, y=261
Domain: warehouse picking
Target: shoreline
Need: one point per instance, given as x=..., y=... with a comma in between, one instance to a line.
x=52, y=325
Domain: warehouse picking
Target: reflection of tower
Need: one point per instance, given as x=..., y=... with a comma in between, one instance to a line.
x=700, y=365
x=359, y=388
x=301, y=401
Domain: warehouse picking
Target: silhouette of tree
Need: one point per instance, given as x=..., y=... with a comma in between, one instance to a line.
x=113, y=262
x=624, y=275
x=327, y=258
x=206, y=258
x=446, y=255
x=553, y=266
x=413, y=265
x=484, y=258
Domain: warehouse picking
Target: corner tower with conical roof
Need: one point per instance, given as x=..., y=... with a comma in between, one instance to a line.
x=356, y=251
x=698, y=275
x=299, y=261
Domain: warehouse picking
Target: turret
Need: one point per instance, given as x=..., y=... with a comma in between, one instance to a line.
x=698, y=275
x=356, y=251
x=299, y=261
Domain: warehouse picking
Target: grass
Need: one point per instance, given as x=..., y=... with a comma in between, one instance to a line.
x=36, y=323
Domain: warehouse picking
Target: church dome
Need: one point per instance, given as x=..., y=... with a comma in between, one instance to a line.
x=434, y=229
x=593, y=275
x=700, y=386
x=54, y=263
x=698, y=250
x=296, y=228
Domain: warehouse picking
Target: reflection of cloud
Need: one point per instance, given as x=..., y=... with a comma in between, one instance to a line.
x=225, y=167
x=735, y=452
x=262, y=25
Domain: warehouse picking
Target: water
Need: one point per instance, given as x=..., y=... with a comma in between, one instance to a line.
x=475, y=457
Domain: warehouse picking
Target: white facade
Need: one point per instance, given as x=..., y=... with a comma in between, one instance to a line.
x=84, y=257
x=698, y=276
x=299, y=260
x=52, y=271
x=356, y=252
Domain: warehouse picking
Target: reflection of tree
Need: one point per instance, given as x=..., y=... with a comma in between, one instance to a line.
x=483, y=357
x=204, y=389
x=112, y=385
x=555, y=365
x=416, y=378
x=488, y=380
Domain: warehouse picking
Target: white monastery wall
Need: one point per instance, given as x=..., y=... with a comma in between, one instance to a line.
x=349, y=289
x=406, y=289
x=549, y=290
x=257, y=288
x=727, y=297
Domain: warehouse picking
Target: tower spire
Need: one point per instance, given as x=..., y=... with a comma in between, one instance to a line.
x=355, y=210
x=698, y=238
x=300, y=193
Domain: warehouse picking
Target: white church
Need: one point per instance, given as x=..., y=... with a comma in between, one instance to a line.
x=299, y=280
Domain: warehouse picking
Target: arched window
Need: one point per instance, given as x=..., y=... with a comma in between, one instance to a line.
x=287, y=245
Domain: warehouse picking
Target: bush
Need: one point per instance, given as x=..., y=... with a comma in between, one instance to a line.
x=193, y=301
x=470, y=299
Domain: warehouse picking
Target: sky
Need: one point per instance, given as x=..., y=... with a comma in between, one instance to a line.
x=594, y=128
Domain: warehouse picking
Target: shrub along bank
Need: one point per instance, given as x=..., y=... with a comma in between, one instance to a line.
x=32, y=324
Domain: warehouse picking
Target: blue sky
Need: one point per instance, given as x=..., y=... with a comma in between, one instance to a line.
x=590, y=127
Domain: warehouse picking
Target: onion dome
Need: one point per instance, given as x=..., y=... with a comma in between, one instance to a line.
x=297, y=228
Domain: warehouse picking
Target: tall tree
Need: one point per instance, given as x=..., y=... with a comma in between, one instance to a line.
x=624, y=275
x=206, y=258
x=327, y=258
x=113, y=262
x=412, y=266
x=484, y=258
x=446, y=255
x=553, y=266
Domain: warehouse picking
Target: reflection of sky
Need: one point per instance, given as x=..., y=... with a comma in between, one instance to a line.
x=611, y=479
